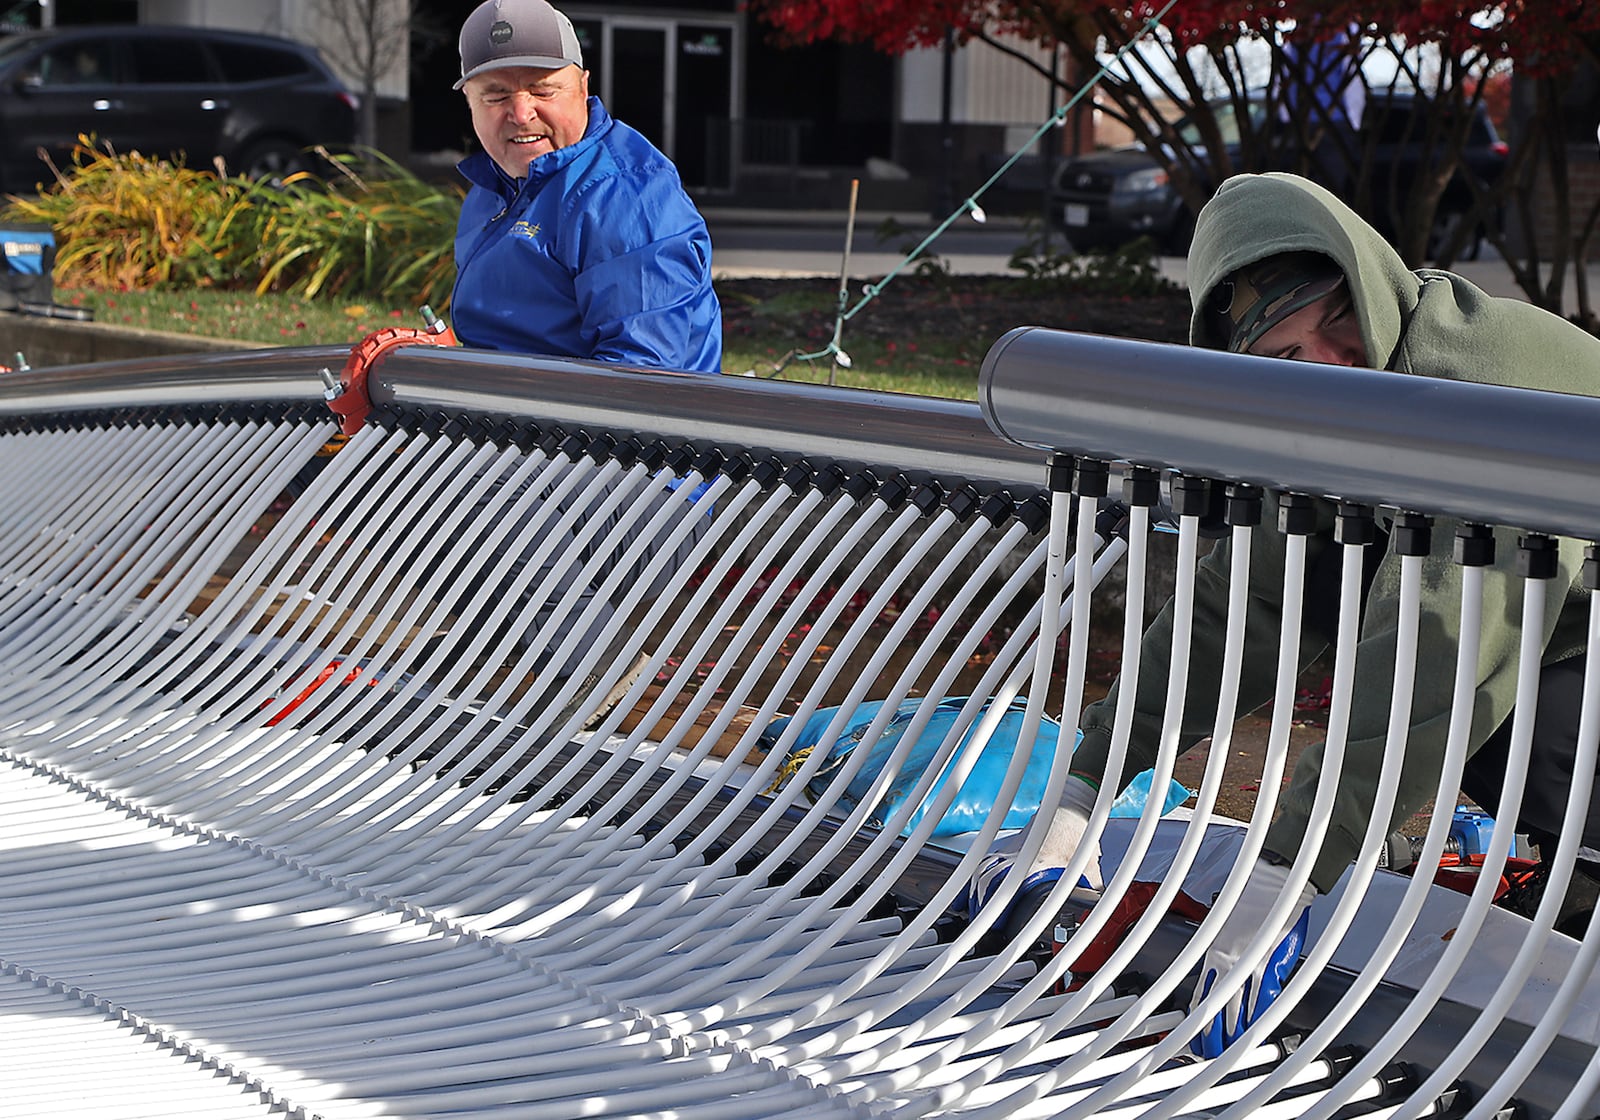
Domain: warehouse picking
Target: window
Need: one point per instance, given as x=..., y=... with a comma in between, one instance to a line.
x=1227, y=117
x=88, y=62
x=247, y=62
x=169, y=61
x=1396, y=124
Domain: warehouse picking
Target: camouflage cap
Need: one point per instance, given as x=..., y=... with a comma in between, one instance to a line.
x=1259, y=296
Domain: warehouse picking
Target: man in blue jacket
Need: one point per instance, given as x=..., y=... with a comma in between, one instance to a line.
x=575, y=240
x=576, y=237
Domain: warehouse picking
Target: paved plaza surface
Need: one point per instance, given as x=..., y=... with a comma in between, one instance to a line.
x=773, y=242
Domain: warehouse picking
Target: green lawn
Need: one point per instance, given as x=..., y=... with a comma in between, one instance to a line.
x=925, y=372
x=933, y=368
x=273, y=318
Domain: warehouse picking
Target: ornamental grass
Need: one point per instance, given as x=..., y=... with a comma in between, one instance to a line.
x=365, y=228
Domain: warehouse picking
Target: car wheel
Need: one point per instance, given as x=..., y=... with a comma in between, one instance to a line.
x=274, y=160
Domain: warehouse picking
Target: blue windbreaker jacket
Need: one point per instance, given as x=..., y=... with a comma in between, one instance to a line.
x=598, y=253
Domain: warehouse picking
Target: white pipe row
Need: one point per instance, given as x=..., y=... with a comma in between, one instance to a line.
x=324, y=828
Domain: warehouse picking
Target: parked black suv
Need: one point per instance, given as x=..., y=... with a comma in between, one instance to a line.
x=257, y=101
x=1111, y=197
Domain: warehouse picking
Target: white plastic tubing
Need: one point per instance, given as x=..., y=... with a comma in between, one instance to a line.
x=445, y=786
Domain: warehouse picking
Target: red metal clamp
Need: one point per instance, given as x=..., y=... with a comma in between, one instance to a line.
x=348, y=397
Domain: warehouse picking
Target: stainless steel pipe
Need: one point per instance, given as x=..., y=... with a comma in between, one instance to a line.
x=1478, y=452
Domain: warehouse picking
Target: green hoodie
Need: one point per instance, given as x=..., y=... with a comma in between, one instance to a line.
x=1426, y=322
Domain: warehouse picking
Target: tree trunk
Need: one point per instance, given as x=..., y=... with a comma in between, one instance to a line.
x=367, y=119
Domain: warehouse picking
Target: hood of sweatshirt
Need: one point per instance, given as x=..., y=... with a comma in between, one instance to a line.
x=1421, y=321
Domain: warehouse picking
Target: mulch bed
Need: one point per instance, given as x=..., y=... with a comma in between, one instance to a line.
x=964, y=307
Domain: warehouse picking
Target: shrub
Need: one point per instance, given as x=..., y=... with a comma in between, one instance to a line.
x=386, y=234
x=129, y=222
x=1128, y=270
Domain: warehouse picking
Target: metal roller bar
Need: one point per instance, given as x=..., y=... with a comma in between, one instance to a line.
x=945, y=437
x=277, y=375
x=1479, y=452
x=911, y=433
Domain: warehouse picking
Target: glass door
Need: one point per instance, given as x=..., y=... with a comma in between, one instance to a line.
x=639, y=67
x=704, y=105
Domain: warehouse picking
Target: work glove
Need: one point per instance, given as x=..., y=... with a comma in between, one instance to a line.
x=1065, y=837
x=1266, y=885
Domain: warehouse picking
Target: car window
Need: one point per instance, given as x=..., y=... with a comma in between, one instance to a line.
x=15, y=45
x=248, y=62
x=88, y=62
x=1227, y=116
x=1394, y=121
x=1189, y=132
x=159, y=60
x=1397, y=123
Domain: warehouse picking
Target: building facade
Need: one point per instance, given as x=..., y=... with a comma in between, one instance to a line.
x=738, y=113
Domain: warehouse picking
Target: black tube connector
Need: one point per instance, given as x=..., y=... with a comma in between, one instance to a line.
x=553, y=440
x=1094, y=478
x=1141, y=486
x=627, y=451
x=860, y=484
x=1355, y=524
x=894, y=491
x=800, y=475
x=1058, y=479
x=1244, y=504
x=710, y=463
x=965, y=501
x=680, y=459
x=769, y=472
x=1474, y=545
x=1537, y=556
x=928, y=497
x=829, y=479
x=996, y=509
x=1034, y=513
x=655, y=453
x=1412, y=534
x=1297, y=515
x=573, y=446
x=1191, y=496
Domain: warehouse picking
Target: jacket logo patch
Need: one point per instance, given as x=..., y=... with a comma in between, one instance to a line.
x=526, y=229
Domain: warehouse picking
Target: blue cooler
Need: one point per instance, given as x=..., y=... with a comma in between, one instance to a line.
x=29, y=253
x=1471, y=830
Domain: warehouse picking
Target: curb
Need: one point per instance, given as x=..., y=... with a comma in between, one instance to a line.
x=42, y=341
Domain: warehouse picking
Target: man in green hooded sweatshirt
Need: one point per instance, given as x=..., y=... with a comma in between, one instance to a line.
x=1280, y=267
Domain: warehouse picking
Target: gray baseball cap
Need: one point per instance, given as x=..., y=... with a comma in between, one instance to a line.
x=501, y=33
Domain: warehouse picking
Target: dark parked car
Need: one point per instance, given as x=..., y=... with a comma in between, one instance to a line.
x=1110, y=197
x=256, y=101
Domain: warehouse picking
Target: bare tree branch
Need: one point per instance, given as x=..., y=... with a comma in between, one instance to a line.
x=366, y=40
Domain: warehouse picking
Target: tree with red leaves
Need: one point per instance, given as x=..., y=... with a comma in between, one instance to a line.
x=1205, y=56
